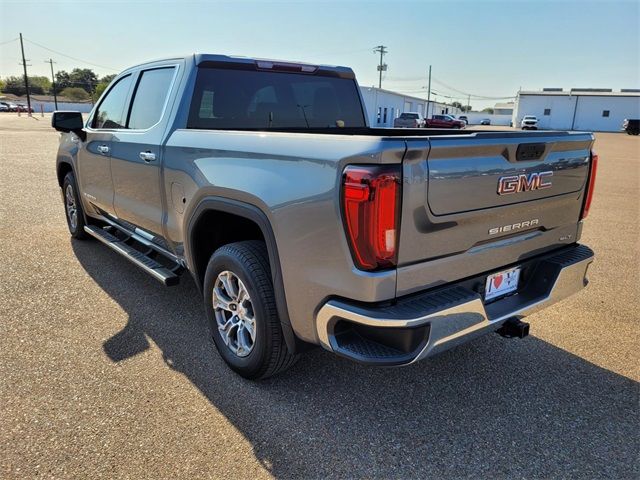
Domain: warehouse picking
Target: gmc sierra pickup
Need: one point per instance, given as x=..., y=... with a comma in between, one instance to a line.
x=301, y=225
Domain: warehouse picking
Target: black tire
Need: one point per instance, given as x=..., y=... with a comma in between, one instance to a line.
x=249, y=262
x=69, y=188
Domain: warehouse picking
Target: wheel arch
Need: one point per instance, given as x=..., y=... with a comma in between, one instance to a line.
x=250, y=221
x=62, y=168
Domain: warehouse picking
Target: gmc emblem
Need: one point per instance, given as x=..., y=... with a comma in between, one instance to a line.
x=524, y=182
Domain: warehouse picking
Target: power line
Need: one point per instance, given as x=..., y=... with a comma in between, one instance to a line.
x=72, y=58
x=461, y=94
x=9, y=41
x=467, y=94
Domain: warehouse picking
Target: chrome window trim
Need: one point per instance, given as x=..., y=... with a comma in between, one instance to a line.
x=138, y=75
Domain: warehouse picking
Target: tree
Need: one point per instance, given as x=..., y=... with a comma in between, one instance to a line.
x=39, y=85
x=75, y=93
x=104, y=83
x=84, y=78
x=100, y=88
x=488, y=110
x=462, y=108
x=108, y=78
x=15, y=85
x=62, y=81
x=2, y=85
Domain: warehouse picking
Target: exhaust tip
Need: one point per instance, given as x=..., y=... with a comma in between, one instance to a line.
x=513, y=328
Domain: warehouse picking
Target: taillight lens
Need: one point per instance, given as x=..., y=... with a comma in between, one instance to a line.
x=371, y=210
x=590, y=185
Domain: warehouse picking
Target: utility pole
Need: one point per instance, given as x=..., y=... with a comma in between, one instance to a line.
x=53, y=82
x=383, y=66
x=469, y=103
x=428, y=92
x=26, y=79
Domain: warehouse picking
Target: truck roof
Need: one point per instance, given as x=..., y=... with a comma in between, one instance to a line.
x=213, y=59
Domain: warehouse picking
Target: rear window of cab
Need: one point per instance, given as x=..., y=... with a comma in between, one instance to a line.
x=245, y=99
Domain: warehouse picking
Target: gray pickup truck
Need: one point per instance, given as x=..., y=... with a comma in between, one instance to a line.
x=302, y=226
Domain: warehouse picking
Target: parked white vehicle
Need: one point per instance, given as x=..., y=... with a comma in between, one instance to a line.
x=409, y=120
x=529, y=122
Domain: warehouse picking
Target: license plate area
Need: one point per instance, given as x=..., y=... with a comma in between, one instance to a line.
x=502, y=283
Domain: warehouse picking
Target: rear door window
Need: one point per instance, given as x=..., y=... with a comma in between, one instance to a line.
x=239, y=99
x=150, y=97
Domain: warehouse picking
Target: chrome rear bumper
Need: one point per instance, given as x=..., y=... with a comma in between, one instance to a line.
x=421, y=325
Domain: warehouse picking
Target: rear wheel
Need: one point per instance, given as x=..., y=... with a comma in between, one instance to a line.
x=73, y=207
x=241, y=311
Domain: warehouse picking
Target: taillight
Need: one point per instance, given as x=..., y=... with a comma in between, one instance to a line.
x=590, y=185
x=371, y=210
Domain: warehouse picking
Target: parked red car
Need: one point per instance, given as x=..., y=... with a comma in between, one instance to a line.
x=444, y=121
x=24, y=108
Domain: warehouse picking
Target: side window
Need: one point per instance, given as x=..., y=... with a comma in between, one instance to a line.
x=150, y=97
x=111, y=111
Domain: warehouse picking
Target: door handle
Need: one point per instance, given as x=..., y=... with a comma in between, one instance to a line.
x=103, y=149
x=148, y=156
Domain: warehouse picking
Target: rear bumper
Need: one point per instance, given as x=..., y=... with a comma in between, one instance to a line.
x=427, y=323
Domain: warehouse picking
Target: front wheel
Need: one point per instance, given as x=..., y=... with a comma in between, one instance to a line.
x=241, y=311
x=73, y=208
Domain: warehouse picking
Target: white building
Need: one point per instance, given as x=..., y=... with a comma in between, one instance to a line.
x=504, y=108
x=578, y=109
x=383, y=106
x=502, y=115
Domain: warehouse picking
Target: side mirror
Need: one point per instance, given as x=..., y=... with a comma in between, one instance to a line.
x=69, y=122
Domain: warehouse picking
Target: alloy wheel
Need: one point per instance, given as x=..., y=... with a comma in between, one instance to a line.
x=234, y=313
x=72, y=209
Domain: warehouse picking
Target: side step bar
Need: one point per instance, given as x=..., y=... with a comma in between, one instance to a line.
x=146, y=263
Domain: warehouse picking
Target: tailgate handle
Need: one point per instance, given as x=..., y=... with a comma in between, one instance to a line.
x=529, y=151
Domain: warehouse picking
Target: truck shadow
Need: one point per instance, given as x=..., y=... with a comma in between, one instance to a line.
x=492, y=408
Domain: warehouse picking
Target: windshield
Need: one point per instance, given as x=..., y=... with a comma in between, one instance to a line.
x=238, y=99
x=411, y=116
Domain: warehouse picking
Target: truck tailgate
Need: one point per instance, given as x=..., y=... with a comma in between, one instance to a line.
x=475, y=203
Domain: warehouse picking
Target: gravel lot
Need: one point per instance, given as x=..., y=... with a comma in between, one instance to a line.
x=105, y=373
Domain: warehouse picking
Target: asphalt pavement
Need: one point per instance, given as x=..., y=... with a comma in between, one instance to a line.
x=104, y=373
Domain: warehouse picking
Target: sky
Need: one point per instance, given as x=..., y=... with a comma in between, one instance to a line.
x=483, y=48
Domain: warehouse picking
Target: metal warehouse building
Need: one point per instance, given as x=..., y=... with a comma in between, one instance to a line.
x=589, y=109
x=383, y=106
